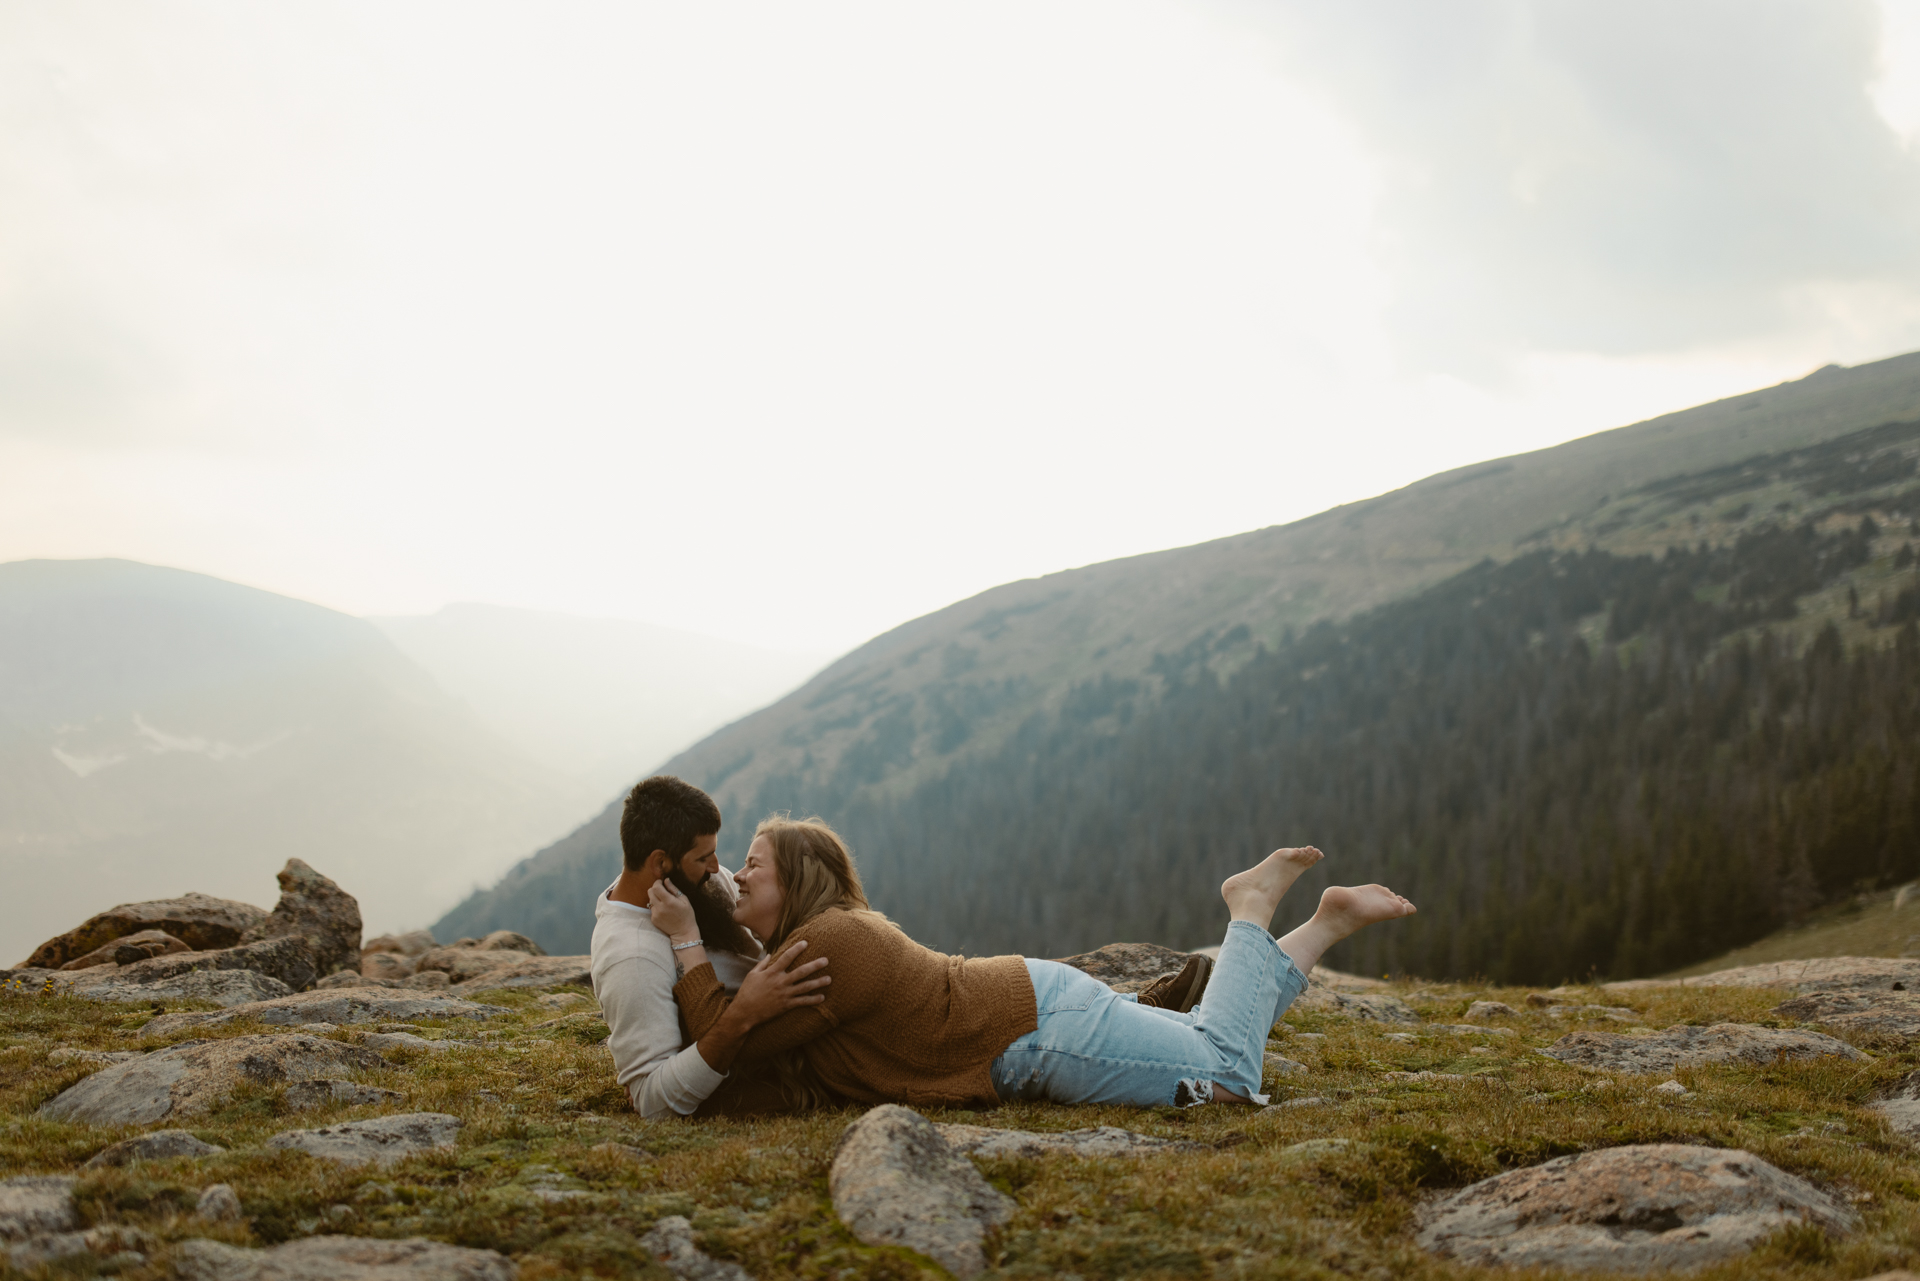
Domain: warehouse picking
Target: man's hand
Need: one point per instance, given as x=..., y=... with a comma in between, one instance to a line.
x=777, y=985
x=672, y=912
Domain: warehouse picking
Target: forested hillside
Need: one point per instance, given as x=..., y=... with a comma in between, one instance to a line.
x=1522, y=748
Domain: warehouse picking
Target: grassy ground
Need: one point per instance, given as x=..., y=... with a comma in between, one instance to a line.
x=1882, y=924
x=539, y=1099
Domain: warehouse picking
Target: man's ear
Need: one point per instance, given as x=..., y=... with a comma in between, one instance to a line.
x=658, y=865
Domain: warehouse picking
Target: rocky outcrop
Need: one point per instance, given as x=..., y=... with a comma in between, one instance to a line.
x=1100, y=1140
x=671, y=1244
x=1681, y=1045
x=314, y=908
x=895, y=1181
x=341, y=1259
x=1128, y=967
x=200, y=921
x=1871, y=1014
x=1632, y=1209
x=195, y=1076
x=1901, y=1106
x=339, y=1006
x=1819, y=974
x=381, y=1141
x=220, y=987
x=143, y=946
x=529, y=971
x=160, y=1145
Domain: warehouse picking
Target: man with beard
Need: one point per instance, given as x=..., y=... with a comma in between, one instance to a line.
x=669, y=831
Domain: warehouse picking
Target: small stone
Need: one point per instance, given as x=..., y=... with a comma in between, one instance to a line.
x=624, y=1151
x=318, y=1029
x=1671, y=1087
x=1375, y=1007
x=671, y=1243
x=387, y=1042
x=1314, y=1149
x=431, y=981
x=387, y=965
x=36, y=1204
x=559, y=1000
x=1490, y=1010
x=1645, y=1208
x=1541, y=1001
x=1614, y=1013
x=340, y=1258
x=302, y=1095
x=412, y=943
x=1310, y=1101
x=219, y=1203
x=1095, y=1141
x=895, y=1181
x=1406, y=1038
x=1468, y=1029
x=127, y=949
x=382, y=1140
x=1310, y=1036
x=160, y=1145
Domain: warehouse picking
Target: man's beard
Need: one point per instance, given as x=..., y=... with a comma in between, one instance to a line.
x=714, y=915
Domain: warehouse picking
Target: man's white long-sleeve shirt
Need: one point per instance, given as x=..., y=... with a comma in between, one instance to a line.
x=633, y=975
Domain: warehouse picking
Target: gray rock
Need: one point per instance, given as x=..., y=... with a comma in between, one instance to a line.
x=123, y=1245
x=413, y=943
x=198, y=920
x=671, y=1243
x=348, y=978
x=340, y=1008
x=1470, y=1029
x=221, y=987
x=1646, y=1208
x=521, y=970
x=302, y=1095
x=196, y=1076
x=314, y=908
x=1128, y=967
x=559, y=1000
x=139, y=946
x=382, y=1140
x=1818, y=974
x=1901, y=1106
x=219, y=1203
x=432, y=981
x=1100, y=1140
x=1490, y=1010
x=1275, y=1065
x=160, y=1145
x=290, y=960
x=1310, y=1101
x=1612, y=1013
x=35, y=1205
x=1885, y=1016
x=1681, y=1045
x=1671, y=1087
x=1314, y=1149
x=387, y=965
x=1376, y=1007
x=63, y=1056
x=624, y=1151
x=895, y=1181
x=341, y=1259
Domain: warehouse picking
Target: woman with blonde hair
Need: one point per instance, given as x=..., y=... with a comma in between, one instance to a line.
x=900, y=1023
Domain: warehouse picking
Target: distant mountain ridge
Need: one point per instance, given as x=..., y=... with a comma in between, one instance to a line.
x=905, y=709
x=164, y=731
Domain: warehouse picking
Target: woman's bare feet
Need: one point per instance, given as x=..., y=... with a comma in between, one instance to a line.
x=1253, y=895
x=1344, y=910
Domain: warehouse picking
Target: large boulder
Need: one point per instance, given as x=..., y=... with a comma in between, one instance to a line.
x=895, y=1181
x=291, y=959
x=1873, y=1014
x=1128, y=967
x=338, y=1006
x=671, y=1243
x=221, y=987
x=128, y=949
x=314, y=908
x=1648, y=1208
x=158, y=1145
x=1817, y=974
x=200, y=921
x=341, y=1259
x=1684, y=1045
x=381, y=1141
x=194, y=1077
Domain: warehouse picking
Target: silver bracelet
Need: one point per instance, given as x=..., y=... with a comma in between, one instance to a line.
x=681, y=947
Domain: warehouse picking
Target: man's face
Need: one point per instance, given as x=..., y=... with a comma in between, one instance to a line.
x=697, y=864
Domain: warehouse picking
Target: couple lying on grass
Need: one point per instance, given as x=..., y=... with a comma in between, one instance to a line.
x=839, y=1006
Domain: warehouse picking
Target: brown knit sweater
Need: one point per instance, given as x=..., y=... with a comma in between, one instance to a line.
x=901, y=1023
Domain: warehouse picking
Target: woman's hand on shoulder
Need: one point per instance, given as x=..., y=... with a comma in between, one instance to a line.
x=780, y=983
x=671, y=911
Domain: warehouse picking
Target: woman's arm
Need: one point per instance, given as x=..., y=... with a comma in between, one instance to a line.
x=706, y=1006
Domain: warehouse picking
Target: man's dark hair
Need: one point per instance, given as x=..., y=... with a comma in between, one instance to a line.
x=665, y=813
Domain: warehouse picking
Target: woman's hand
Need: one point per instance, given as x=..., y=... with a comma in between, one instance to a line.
x=777, y=985
x=672, y=912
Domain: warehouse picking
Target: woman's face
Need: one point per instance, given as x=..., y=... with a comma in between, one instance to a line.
x=758, y=907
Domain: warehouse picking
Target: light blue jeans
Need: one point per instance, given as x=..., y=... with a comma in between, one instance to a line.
x=1095, y=1046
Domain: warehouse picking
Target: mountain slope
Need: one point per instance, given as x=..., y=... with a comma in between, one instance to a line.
x=905, y=710
x=598, y=700
x=162, y=731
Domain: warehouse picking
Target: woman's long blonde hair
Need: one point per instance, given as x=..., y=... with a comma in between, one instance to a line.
x=815, y=869
x=816, y=873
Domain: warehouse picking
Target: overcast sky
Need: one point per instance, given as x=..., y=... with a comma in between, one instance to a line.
x=791, y=321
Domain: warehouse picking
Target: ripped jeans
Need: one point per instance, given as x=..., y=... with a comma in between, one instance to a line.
x=1095, y=1046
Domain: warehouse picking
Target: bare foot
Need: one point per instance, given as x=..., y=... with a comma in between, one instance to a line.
x=1253, y=895
x=1347, y=909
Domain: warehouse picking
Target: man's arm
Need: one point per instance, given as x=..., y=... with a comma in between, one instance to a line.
x=657, y=1071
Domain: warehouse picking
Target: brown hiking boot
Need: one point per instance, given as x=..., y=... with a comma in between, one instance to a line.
x=1180, y=992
